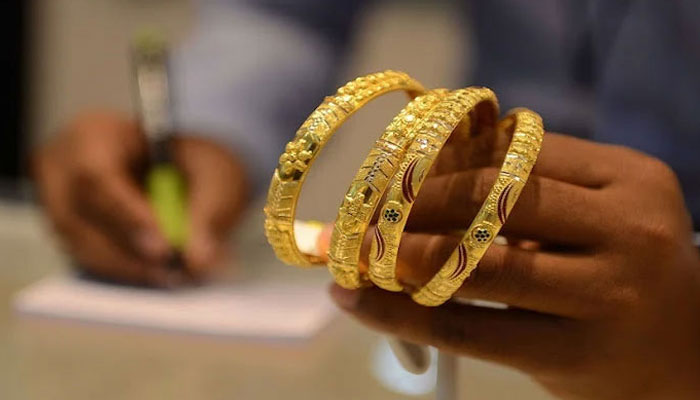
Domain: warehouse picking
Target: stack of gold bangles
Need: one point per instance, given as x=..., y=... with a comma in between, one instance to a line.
x=394, y=170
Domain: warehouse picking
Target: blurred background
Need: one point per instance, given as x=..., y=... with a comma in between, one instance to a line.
x=64, y=56
x=72, y=341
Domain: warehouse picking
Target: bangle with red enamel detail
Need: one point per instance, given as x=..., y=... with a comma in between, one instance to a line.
x=527, y=133
x=368, y=187
x=460, y=113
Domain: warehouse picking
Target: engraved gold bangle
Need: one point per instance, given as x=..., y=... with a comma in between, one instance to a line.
x=527, y=133
x=472, y=108
x=301, y=152
x=368, y=187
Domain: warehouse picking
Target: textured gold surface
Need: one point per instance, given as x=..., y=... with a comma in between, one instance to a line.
x=522, y=154
x=301, y=152
x=431, y=134
x=368, y=187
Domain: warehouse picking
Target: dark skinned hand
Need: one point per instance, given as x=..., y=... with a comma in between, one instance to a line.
x=90, y=178
x=600, y=275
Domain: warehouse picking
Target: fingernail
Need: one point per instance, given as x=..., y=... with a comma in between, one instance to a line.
x=345, y=298
x=151, y=244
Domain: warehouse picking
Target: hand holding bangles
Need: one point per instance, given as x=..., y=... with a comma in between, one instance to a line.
x=396, y=167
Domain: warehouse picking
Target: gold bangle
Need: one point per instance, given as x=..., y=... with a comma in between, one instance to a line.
x=301, y=152
x=368, y=187
x=527, y=133
x=472, y=106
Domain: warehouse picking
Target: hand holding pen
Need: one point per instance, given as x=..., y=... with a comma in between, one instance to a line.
x=91, y=177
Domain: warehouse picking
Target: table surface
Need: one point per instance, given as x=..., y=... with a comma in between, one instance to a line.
x=60, y=360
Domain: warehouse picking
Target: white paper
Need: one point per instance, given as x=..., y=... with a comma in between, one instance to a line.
x=257, y=310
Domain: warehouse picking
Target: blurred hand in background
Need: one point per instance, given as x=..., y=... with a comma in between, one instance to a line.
x=90, y=179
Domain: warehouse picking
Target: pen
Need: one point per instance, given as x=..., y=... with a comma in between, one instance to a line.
x=165, y=185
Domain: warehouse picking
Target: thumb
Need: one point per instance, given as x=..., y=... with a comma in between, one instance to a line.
x=217, y=192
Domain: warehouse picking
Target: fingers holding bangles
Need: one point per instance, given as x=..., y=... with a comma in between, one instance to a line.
x=399, y=164
x=560, y=283
x=548, y=211
x=526, y=130
x=473, y=106
x=368, y=187
x=518, y=338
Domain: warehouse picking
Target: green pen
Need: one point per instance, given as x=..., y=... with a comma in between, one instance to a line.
x=165, y=184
